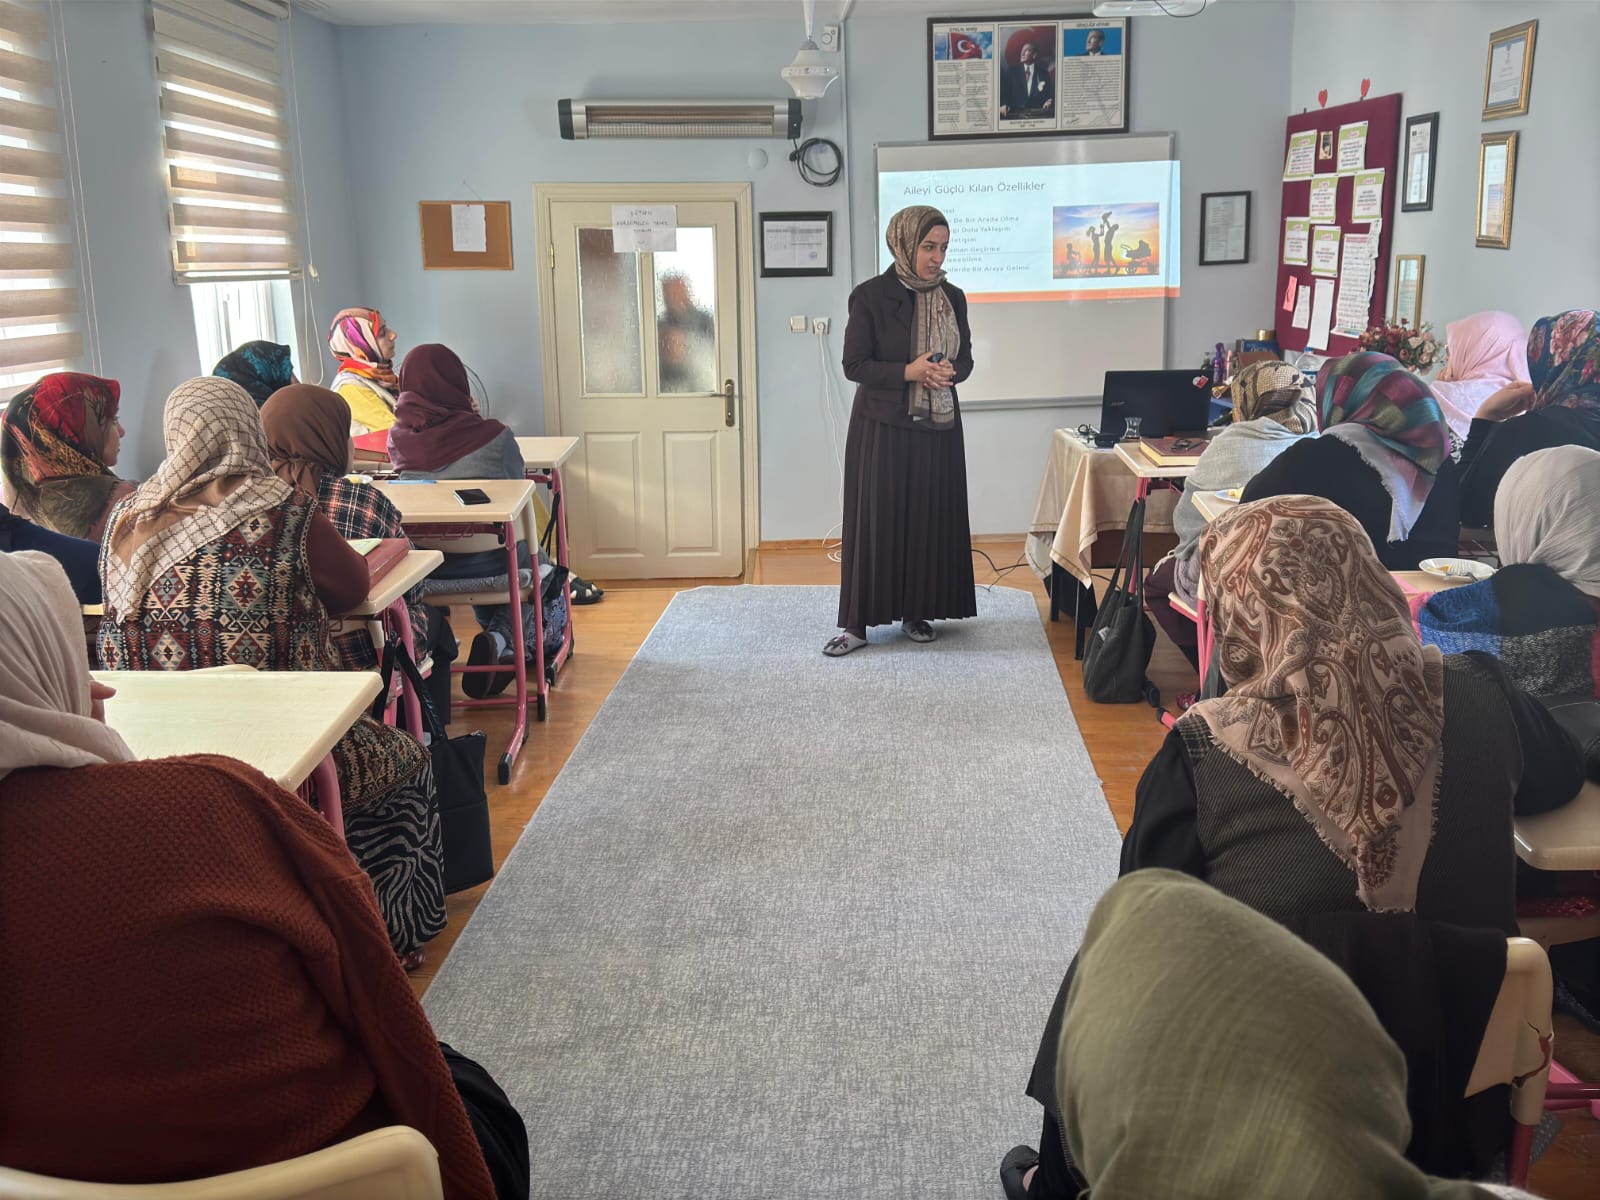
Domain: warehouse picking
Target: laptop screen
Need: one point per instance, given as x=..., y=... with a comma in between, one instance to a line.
x=1167, y=403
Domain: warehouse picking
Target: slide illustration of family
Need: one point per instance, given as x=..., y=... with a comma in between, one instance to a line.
x=1117, y=239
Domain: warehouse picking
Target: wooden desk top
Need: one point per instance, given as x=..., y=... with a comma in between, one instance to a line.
x=1211, y=506
x=405, y=575
x=435, y=503
x=546, y=452
x=1133, y=458
x=280, y=722
x=1567, y=839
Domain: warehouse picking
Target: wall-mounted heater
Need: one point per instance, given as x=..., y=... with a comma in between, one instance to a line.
x=679, y=119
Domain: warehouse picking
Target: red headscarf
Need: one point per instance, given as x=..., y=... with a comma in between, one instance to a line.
x=434, y=420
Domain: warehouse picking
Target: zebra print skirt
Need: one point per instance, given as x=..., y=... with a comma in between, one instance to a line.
x=396, y=841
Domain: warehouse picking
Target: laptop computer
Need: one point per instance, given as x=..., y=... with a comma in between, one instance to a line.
x=1167, y=403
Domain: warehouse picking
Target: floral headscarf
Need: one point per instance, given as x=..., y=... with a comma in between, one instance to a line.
x=1332, y=698
x=52, y=450
x=260, y=368
x=354, y=339
x=1564, y=361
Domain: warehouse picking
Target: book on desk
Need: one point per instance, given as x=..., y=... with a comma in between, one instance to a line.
x=382, y=554
x=1174, y=451
x=372, y=447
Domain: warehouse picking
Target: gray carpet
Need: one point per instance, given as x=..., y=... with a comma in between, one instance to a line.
x=789, y=926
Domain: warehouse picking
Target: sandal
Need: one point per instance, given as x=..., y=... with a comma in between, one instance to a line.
x=479, y=685
x=410, y=961
x=583, y=591
x=918, y=631
x=1014, y=1168
x=838, y=647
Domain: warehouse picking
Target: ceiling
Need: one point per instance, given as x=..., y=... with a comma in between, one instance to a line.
x=596, y=12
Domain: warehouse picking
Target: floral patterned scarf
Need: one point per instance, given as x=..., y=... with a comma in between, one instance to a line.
x=354, y=341
x=52, y=446
x=1564, y=361
x=1332, y=699
x=260, y=368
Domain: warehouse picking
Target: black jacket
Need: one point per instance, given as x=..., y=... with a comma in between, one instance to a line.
x=877, y=346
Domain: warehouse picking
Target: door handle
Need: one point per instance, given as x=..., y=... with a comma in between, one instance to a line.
x=728, y=414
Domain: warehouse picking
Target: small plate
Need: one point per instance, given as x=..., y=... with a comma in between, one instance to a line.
x=1231, y=495
x=359, y=478
x=1456, y=570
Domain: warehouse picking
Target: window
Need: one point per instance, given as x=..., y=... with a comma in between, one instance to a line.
x=225, y=139
x=228, y=314
x=39, y=326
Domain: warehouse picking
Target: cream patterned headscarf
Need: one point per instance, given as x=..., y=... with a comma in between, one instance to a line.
x=933, y=327
x=1332, y=698
x=217, y=461
x=1276, y=390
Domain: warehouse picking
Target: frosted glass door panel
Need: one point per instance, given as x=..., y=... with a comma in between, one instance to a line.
x=608, y=297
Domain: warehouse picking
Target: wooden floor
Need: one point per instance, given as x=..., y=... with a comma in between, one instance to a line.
x=1121, y=741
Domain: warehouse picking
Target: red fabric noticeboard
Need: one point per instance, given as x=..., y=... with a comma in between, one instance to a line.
x=1382, y=115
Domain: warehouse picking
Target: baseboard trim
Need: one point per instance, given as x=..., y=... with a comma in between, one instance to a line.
x=980, y=539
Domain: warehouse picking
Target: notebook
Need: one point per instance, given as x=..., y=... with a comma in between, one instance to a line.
x=381, y=554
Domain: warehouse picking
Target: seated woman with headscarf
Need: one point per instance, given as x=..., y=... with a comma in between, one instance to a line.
x=1484, y=354
x=1349, y=767
x=260, y=368
x=1383, y=457
x=202, y=974
x=59, y=440
x=1270, y=414
x=1560, y=406
x=216, y=560
x=439, y=434
x=364, y=346
x=1207, y=1053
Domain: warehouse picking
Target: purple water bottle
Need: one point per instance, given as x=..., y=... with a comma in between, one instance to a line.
x=1219, y=365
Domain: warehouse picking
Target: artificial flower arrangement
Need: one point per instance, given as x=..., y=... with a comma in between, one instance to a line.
x=1416, y=349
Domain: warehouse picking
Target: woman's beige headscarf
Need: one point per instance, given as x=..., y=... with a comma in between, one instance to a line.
x=217, y=474
x=1547, y=511
x=934, y=328
x=44, y=673
x=1276, y=390
x=1209, y=1054
x=1332, y=698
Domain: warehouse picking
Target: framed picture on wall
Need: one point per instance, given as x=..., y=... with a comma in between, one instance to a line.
x=1028, y=76
x=1422, y=135
x=1497, y=173
x=1508, y=75
x=1224, y=228
x=1407, y=305
x=796, y=244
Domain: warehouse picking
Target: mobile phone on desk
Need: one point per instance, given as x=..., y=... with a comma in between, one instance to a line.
x=472, y=495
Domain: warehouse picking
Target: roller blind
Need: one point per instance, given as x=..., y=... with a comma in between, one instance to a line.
x=225, y=137
x=40, y=329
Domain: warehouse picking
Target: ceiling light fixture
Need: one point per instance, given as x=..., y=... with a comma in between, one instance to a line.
x=1150, y=8
x=810, y=74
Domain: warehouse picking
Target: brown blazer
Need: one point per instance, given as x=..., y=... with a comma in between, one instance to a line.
x=877, y=347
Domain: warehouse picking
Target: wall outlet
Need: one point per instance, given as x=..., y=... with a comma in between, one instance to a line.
x=820, y=324
x=828, y=39
x=797, y=324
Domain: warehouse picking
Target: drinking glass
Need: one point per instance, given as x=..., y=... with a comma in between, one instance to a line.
x=1131, y=433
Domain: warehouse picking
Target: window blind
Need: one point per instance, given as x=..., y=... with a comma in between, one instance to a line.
x=39, y=323
x=225, y=138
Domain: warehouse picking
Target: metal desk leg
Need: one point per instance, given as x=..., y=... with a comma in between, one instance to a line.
x=519, y=731
x=400, y=615
x=324, y=785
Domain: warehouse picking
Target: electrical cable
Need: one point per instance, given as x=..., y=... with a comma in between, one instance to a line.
x=1204, y=4
x=817, y=176
x=831, y=420
x=80, y=217
x=308, y=302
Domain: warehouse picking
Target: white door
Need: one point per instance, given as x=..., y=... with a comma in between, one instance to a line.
x=647, y=359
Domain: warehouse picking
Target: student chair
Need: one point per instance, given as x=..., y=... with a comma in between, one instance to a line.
x=395, y=1163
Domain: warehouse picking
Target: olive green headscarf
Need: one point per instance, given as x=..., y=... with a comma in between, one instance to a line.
x=1209, y=1054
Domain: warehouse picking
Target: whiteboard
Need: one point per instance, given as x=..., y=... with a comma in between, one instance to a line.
x=1068, y=250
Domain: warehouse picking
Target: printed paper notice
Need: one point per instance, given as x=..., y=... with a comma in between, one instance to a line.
x=1302, y=309
x=1324, y=198
x=1296, y=242
x=1302, y=160
x=1355, y=286
x=639, y=227
x=469, y=230
x=1368, y=202
x=1352, y=148
x=1321, y=314
x=1325, y=250
x=963, y=80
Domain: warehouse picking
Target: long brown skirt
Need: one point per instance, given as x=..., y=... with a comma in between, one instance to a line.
x=907, y=552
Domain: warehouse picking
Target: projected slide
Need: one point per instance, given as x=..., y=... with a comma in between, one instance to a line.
x=1084, y=231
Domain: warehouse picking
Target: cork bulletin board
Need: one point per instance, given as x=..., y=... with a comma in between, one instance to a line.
x=439, y=240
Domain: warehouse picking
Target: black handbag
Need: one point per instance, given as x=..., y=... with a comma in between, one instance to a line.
x=553, y=594
x=1580, y=717
x=1122, y=638
x=457, y=777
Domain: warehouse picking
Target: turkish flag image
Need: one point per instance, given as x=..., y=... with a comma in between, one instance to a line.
x=963, y=46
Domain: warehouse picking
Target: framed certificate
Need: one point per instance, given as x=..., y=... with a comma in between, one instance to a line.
x=1224, y=228
x=1508, y=76
x=1029, y=76
x=1422, y=135
x=796, y=244
x=1497, y=173
x=1407, y=290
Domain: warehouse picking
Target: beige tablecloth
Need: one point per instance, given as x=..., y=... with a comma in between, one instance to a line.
x=1084, y=493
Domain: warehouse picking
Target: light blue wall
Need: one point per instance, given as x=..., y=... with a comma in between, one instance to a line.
x=146, y=323
x=1434, y=55
x=470, y=110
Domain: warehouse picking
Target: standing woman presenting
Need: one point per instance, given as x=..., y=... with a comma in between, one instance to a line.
x=907, y=549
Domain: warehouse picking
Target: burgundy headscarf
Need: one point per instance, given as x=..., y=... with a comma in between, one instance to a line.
x=434, y=421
